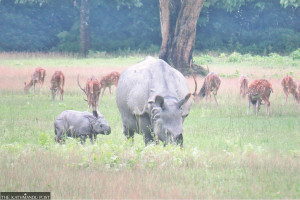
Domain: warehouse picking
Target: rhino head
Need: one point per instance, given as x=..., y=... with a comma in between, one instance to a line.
x=99, y=124
x=167, y=119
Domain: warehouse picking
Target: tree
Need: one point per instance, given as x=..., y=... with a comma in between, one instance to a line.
x=178, y=28
x=84, y=27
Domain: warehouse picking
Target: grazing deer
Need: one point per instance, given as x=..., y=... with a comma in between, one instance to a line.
x=57, y=84
x=108, y=81
x=290, y=87
x=211, y=83
x=92, y=91
x=244, y=85
x=259, y=90
x=38, y=76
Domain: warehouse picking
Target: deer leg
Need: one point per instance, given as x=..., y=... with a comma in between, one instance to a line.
x=61, y=91
x=258, y=102
x=110, y=91
x=268, y=107
x=34, y=87
x=216, y=99
x=249, y=104
x=62, y=94
x=103, y=91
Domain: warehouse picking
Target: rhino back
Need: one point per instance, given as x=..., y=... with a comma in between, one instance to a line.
x=147, y=79
x=74, y=120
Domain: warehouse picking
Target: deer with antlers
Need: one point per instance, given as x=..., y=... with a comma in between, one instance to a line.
x=92, y=91
x=243, y=85
x=108, y=81
x=211, y=83
x=259, y=90
x=57, y=84
x=290, y=87
x=38, y=76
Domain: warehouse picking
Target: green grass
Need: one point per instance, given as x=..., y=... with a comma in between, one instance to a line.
x=226, y=154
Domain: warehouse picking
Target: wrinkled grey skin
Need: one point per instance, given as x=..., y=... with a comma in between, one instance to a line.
x=153, y=99
x=80, y=124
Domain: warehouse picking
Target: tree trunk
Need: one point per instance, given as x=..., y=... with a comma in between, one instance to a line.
x=84, y=27
x=178, y=28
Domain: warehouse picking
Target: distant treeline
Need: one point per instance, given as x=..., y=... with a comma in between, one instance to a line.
x=258, y=27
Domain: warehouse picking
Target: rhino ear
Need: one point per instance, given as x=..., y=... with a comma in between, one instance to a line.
x=183, y=101
x=159, y=101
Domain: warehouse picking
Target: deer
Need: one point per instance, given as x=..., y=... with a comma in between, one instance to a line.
x=108, y=81
x=259, y=90
x=290, y=87
x=92, y=91
x=38, y=76
x=57, y=84
x=243, y=85
x=211, y=83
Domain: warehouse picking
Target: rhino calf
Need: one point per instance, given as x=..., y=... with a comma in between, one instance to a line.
x=80, y=124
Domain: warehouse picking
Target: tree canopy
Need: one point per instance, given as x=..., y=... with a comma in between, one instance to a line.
x=246, y=26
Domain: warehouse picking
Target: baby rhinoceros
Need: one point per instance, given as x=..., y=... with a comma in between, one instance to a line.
x=80, y=124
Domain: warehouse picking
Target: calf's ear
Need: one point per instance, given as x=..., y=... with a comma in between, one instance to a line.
x=183, y=101
x=95, y=113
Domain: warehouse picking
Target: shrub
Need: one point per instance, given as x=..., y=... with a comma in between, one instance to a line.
x=235, y=57
x=295, y=55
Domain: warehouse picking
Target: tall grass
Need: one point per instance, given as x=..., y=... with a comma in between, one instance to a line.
x=226, y=153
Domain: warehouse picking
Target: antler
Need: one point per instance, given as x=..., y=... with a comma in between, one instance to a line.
x=193, y=77
x=80, y=85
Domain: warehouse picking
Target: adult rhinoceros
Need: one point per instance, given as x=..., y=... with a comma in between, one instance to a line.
x=153, y=99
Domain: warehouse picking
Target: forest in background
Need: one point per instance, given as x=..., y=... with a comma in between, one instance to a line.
x=255, y=27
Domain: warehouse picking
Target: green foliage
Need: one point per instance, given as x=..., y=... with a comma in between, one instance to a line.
x=244, y=26
x=287, y=3
x=235, y=57
x=295, y=55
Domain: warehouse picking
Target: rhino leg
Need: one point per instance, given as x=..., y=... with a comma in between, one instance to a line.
x=129, y=133
x=82, y=138
x=145, y=128
x=93, y=138
x=58, y=129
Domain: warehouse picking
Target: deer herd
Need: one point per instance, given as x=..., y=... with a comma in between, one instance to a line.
x=258, y=91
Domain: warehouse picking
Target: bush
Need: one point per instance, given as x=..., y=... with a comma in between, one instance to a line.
x=295, y=55
x=235, y=57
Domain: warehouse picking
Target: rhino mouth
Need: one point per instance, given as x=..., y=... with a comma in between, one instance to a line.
x=107, y=131
x=171, y=138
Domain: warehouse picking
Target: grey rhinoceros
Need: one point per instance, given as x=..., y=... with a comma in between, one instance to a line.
x=80, y=124
x=154, y=99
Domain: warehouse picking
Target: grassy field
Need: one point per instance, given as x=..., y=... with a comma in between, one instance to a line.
x=226, y=154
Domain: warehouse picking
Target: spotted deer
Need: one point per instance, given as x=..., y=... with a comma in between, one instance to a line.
x=38, y=76
x=290, y=87
x=211, y=83
x=108, y=81
x=259, y=90
x=243, y=85
x=92, y=91
x=57, y=84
